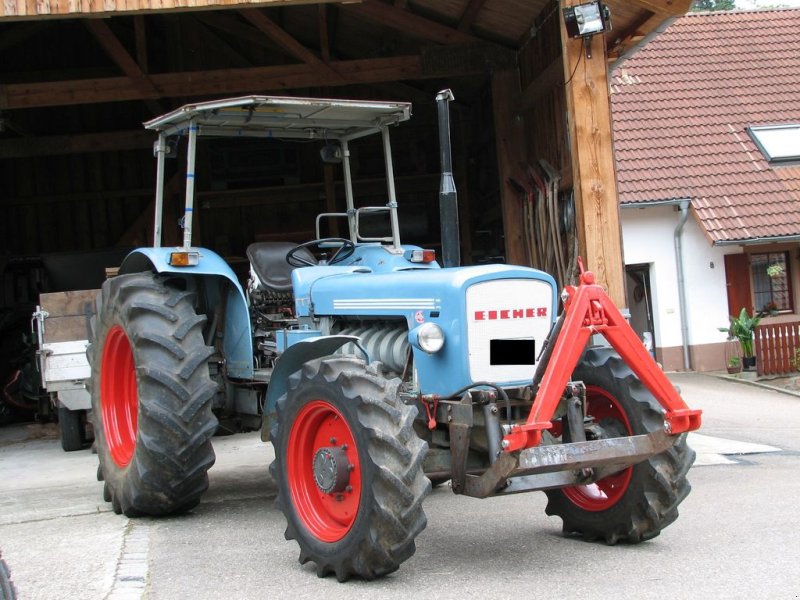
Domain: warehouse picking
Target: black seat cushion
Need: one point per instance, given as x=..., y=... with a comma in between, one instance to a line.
x=269, y=262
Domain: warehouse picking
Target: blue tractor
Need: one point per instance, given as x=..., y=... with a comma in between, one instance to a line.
x=374, y=372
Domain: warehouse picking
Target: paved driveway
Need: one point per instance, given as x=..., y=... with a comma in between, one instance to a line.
x=736, y=537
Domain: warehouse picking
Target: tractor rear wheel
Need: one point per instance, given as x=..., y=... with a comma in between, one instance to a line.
x=151, y=396
x=349, y=469
x=637, y=503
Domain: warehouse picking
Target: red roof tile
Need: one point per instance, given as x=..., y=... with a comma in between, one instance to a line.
x=681, y=108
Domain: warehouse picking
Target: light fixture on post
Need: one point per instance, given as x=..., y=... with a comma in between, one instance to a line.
x=585, y=20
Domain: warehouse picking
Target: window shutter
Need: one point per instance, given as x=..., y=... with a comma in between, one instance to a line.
x=737, y=275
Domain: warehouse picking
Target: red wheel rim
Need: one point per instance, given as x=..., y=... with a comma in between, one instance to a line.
x=119, y=400
x=606, y=492
x=327, y=516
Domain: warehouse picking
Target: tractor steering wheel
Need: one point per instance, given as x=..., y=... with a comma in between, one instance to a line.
x=344, y=251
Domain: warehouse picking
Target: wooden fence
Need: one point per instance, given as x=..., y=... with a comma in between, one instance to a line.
x=775, y=346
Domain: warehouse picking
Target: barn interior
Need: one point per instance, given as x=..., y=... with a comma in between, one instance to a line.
x=530, y=125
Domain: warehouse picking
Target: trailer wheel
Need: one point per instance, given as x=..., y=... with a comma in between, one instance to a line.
x=637, y=503
x=151, y=396
x=71, y=429
x=349, y=469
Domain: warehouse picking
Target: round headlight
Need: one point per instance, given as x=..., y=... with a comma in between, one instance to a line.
x=430, y=337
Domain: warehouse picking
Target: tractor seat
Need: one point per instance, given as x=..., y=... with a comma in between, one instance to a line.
x=268, y=261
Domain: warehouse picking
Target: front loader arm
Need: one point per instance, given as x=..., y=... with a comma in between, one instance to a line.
x=589, y=310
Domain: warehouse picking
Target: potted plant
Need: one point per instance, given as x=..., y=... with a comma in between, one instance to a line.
x=742, y=328
x=734, y=365
x=771, y=307
x=775, y=270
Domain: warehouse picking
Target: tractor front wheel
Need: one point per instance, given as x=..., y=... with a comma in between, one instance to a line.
x=151, y=396
x=636, y=503
x=349, y=469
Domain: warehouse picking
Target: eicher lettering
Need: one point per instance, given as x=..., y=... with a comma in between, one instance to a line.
x=510, y=313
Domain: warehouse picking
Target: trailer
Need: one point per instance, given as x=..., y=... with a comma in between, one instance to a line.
x=59, y=327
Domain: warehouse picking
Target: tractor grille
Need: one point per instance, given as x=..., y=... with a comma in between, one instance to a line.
x=507, y=322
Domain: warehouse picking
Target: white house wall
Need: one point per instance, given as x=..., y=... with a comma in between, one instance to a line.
x=648, y=238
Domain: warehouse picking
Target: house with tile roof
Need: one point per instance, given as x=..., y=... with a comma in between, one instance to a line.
x=707, y=139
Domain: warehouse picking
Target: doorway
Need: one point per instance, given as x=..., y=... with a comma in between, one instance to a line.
x=640, y=303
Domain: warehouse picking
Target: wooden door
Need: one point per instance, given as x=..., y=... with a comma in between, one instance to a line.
x=737, y=275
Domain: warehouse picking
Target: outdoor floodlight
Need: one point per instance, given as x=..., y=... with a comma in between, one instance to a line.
x=585, y=20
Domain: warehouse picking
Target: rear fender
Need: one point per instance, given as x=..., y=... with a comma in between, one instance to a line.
x=223, y=286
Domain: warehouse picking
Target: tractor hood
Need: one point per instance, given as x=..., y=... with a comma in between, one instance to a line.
x=352, y=290
x=485, y=312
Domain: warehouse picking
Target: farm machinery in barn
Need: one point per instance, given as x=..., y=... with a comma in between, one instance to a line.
x=372, y=370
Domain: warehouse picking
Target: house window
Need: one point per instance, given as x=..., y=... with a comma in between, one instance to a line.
x=772, y=288
x=778, y=143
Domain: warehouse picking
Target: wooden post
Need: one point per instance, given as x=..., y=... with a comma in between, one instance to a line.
x=593, y=169
x=510, y=143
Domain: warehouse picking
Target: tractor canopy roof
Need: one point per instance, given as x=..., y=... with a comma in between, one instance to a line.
x=282, y=117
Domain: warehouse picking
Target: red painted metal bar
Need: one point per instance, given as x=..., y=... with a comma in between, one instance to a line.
x=589, y=310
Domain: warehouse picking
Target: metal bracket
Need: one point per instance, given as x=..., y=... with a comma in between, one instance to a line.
x=589, y=310
x=459, y=418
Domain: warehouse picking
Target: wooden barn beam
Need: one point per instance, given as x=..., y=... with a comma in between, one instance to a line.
x=408, y=23
x=470, y=14
x=638, y=29
x=117, y=52
x=140, y=35
x=75, y=144
x=324, y=32
x=221, y=81
x=216, y=44
x=278, y=35
x=227, y=23
x=510, y=141
x=92, y=9
x=593, y=167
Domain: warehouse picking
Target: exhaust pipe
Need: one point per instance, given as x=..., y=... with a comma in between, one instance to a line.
x=448, y=199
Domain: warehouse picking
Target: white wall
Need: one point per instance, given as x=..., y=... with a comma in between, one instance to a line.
x=648, y=237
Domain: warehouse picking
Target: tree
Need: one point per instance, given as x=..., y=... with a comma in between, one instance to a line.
x=711, y=5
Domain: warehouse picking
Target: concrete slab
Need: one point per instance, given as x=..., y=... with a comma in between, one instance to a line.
x=61, y=540
x=715, y=451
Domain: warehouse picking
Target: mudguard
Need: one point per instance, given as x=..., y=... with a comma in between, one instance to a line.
x=238, y=341
x=293, y=359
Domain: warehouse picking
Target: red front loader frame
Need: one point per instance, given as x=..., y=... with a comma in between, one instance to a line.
x=589, y=310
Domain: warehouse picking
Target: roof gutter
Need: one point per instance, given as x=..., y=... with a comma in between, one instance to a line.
x=648, y=204
x=760, y=240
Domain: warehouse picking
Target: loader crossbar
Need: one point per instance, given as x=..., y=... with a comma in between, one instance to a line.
x=559, y=465
x=589, y=310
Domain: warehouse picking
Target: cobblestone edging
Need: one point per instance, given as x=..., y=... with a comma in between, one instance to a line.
x=130, y=579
